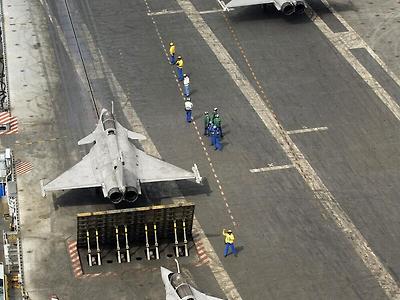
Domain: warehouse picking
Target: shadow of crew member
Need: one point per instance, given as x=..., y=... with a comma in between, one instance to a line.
x=229, y=242
x=206, y=122
x=217, y=139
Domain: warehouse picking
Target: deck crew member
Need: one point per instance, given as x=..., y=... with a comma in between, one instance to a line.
x=188, y=109
x=229, y=242
x=179, y=67
x=172, y=53
x=186, y=87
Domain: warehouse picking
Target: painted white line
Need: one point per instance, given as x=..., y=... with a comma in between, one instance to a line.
x=306, y=130
x=271, y=168
x=211, y=11
x=346, y=41
x=165, y=12
x=171, y=12
x=311, y=178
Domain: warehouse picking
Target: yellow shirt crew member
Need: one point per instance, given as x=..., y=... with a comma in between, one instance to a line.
x=172, y=53
x=179, y=67
x=172, y=49
x=179, y=62
x=229, y=240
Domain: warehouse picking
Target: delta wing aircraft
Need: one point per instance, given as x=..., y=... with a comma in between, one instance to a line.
x=287, y=7
x=116, y=165
x=176, y=288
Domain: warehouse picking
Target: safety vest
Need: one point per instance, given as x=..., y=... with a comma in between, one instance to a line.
x=229, y=238
x=172, y=50
x=179, y=63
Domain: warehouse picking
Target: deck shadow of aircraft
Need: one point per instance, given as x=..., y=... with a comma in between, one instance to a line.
x=319, y=7
x=82, y=197
x=158, y=191
x=153, y=194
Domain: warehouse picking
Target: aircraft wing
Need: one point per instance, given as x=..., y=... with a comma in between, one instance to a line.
x=237, y=3
x=200, y=296
x=79, y=176
x=152, y=169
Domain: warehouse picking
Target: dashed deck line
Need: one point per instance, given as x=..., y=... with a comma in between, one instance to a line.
x=23, y=167
x=199, y=135
x=262, y=106
x=222, y=277
x=6, y=118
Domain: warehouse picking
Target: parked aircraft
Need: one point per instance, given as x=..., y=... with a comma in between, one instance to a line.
x=116, y=165
x=287, y=7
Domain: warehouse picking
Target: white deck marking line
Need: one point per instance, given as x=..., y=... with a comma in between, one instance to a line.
x=354, y=40
x=211, y=11
x=171, y=12
x=306, y=130
x=165, y=12
x=321, y=192
x=343, y=44
x=271, y=168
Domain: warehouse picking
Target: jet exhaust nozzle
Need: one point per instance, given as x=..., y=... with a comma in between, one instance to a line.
x=300, y=7
x=115, y=195
x=131, y=194
x=286, y=7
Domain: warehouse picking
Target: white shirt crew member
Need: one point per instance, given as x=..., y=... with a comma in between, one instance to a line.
x=188, y=105
x=186, y=80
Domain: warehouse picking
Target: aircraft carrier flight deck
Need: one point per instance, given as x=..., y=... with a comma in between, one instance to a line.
x=307, y=179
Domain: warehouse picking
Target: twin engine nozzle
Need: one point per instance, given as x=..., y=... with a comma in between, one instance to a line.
x=116, y=195
x=288, y=7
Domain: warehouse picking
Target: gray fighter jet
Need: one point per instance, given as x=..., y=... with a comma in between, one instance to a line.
x=176, y=288
x=287, y=7
x=116, y=165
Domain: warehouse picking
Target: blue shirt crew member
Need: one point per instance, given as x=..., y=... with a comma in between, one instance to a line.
x=229, y=242
x=179, y=67
x=217, y=122
x=172, y=53
x=206, y=122
x=217, y=139
x=186, y=88
x=211, y=133
x=188, y=110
